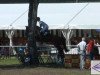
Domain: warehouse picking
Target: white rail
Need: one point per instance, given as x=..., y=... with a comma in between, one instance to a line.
x=52, y=48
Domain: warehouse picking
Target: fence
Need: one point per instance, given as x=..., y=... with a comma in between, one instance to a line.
x=48, y=55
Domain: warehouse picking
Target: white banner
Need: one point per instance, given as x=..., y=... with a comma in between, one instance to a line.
x=95, y=67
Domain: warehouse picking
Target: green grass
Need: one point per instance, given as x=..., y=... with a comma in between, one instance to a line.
x=36, y=70
x=9, y=61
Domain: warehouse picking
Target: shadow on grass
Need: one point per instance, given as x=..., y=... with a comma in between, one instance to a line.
x=11, y=66
x=20, y=66
x=13, y=63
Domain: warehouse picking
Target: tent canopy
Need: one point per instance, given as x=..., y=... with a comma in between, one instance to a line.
x=47, y=1
x=57, y=16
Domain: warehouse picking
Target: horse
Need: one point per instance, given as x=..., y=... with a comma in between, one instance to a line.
x=58, y=41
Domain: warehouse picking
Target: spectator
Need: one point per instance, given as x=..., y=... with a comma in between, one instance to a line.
x=90, y=47
x=82, y=49
x=95, y=50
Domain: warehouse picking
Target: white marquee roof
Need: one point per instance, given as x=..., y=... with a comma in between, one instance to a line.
x=57, y=16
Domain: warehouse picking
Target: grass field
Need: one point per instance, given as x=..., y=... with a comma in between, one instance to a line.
x=36, y=70
x=9, y=61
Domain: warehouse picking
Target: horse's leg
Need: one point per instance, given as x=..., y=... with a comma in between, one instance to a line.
x=64, y=45
x=60, y=54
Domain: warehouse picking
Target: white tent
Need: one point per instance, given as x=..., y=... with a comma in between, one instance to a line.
x=62, y=16
x=57, y=16
x=10, y=13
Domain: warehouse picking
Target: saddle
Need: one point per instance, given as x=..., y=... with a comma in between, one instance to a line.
x=44, y=33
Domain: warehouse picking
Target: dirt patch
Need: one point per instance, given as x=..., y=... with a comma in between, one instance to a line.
x=43, y=71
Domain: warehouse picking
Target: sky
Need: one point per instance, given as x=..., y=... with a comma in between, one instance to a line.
x=55, y=15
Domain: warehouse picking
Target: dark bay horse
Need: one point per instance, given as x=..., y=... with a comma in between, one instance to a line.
x=58, y=41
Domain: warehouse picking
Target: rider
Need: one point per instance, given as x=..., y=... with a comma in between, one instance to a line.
x=44, y=27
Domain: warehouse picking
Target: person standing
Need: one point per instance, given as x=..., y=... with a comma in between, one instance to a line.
x=90, y=47
x=44, y=27
x=82, y=50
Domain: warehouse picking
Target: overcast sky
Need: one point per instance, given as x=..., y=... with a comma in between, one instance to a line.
x=52, y=14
